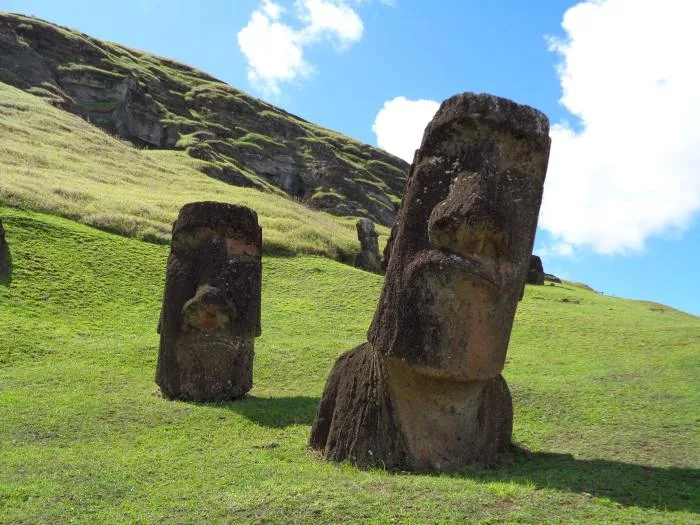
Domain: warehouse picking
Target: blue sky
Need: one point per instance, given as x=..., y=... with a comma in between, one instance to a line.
x=619, y=80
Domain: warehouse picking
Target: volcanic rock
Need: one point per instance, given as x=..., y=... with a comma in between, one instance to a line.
x=5, y=262
x=426, y=391
x=211, y=304
x=368, y=258
x=535, y=275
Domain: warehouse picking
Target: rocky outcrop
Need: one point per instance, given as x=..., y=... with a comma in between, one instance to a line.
x=535, y=274
x=426, y=391
x=211, y=303
x=368, y=258
x=5, y=262
x=158, y=103
x=552, y=278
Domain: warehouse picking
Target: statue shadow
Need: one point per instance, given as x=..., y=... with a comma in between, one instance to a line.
x=276, y=412
x=626, y=484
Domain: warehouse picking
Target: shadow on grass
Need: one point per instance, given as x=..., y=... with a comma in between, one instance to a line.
x=276, y=412
x=625, y=484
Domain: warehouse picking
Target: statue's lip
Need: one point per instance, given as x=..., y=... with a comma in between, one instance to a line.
x=216, y=337
x=481, y=268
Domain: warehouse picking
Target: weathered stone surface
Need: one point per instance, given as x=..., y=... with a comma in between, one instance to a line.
x=368, y=258
x=211, y=303
x=426, y=391
x=552, y=278
x=535, y=275
x=5, y=262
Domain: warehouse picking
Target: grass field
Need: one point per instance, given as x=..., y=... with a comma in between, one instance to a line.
x=605, y=393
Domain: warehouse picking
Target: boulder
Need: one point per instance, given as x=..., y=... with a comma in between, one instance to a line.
x=211, y=303
x=5, y=262
x=425, y=391
x=368, y=258
x=535, y=275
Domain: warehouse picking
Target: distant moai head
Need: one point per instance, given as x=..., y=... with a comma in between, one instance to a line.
x=463, y=238
x=535, y=274
x=367, y=236
x=211, y=305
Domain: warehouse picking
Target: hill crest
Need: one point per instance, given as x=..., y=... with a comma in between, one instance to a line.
x=159, y=103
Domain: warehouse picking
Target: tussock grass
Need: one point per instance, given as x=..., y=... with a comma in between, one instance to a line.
x=55, y=162
x=605, y=395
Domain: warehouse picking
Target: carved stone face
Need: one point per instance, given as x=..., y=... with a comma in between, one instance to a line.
x=211, y=306
x=462, y=244
x=224, y=267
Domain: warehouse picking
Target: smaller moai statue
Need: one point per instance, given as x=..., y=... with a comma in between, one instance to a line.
x=535, y=275
x=4, y=255
x=368, y=258
x=211, y=303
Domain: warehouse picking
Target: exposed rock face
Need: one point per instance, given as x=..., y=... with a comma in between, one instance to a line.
x=368, y=258
x=535, y=275
x=158, y=103
x=426, y=391
x=4, y=255
x=211, y=304
x=552, y=278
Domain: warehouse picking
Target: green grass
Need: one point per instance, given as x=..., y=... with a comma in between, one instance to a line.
x=55, y=162
x=87, y=68
x=605, y=395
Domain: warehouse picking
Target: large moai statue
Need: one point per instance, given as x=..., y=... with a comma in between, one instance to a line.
x=5, y=264
x=426, y=391
x=211, y=303
x=368, y=258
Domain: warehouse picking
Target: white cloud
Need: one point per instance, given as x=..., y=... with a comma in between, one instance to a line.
x=271, y=9
x=556, y=249
x=275, y=49
x=629, y=71
x=327, y=19
x=400, y=124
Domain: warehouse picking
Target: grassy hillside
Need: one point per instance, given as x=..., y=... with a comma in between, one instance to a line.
x=605, y=395
x=53, y=161
x=159, y=103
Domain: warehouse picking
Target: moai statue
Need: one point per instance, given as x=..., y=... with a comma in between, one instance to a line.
x=211, y=303
x=535, y=274
x=4, y=255
x=426, y=391
x=368, y=258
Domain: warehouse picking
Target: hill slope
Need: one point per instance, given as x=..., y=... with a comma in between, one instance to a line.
x=605, y=396
x=53, y=161
x=159, y=103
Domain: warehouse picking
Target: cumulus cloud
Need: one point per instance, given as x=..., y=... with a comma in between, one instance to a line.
x=274, y=49
x=630, y=167
x=556, y=249
x=400, y=124
x=337, y=22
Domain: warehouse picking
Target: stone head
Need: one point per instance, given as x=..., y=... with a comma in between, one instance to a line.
x=215, y=267
x=460, y=249
x=211, y=303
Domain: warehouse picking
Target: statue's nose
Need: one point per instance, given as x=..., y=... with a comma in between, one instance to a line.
x=208, y=310
x=467, y=222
